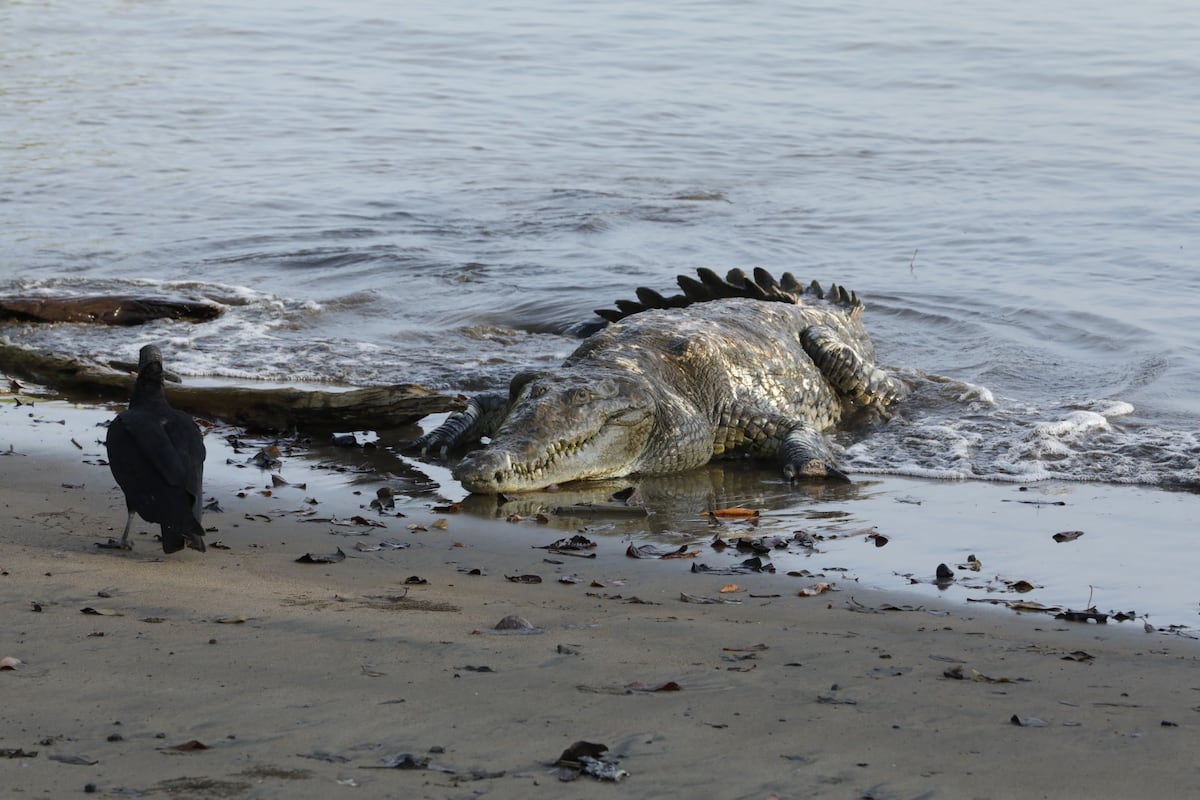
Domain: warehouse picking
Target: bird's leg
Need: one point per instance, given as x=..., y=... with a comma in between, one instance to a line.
x=125, y=544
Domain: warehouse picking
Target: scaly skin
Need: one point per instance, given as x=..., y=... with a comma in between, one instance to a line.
x=665, y=389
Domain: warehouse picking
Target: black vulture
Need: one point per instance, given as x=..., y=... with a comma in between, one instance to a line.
x=156, y=453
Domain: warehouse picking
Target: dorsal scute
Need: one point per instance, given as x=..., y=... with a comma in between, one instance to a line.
x=708, y=285
x=650, y=298
x=628, y=307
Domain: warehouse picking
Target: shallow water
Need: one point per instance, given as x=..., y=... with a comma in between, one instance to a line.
x=436, y=194
x=1134, y=557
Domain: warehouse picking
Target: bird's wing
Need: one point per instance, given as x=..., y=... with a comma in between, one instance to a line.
x=181, y=429
x=154, y=446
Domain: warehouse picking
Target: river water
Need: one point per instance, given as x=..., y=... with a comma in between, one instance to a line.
x=438, y=193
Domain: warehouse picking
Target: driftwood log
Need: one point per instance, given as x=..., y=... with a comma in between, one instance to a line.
x=105, y=309
x=276, y=408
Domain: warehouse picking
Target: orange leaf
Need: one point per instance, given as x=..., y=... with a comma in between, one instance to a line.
x=683, y=553
x=734, y=512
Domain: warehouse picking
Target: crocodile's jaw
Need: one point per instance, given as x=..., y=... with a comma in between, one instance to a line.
x=555, y=434
x=494, y=471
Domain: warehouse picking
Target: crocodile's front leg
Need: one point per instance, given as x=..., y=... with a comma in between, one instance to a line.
x=800, y=447
x=481, y=417
x=805, y=455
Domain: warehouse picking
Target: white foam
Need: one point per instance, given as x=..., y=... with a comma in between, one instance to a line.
x=1116, y=408
x=974, y=393
x=1074, y=423
x=944, y=432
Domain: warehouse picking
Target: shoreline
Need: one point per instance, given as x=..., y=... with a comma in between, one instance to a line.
x=299, y=680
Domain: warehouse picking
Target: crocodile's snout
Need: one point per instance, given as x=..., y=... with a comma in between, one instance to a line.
x=484, y=471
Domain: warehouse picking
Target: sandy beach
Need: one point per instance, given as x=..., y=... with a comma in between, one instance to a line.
x=240, y=673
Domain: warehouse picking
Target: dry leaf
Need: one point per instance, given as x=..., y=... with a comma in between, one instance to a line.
x=514, y=622
x=571, y=757
x=576, y=542
x=1089, y=615
x=1029, y=605
x=1027, y=722
x=960, y=673
x=331, y=558
x=668, y=686
x=191, y=744
x=695, y=598
x=683, y=552
x=734, y=512
x=650, y=551
x=79, y=761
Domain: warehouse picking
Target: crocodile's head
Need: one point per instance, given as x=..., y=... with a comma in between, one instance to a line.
x=563, y=427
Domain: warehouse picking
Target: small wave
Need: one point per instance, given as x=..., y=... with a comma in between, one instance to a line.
x=942, y=433
x=249, y=339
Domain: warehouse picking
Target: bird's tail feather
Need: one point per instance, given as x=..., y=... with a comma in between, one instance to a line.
x=176, y=536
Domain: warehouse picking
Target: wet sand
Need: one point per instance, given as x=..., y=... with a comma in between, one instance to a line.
x=241, y=673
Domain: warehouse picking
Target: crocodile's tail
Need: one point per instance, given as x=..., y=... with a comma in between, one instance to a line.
x=711, y=286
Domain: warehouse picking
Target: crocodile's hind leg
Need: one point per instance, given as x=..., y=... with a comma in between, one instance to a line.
x=855, y=378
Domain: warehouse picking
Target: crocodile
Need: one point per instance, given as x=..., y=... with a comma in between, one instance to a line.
x=740, y=366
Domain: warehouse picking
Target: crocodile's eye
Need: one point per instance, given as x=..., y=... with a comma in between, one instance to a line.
x=578, y=397
x=605, y=388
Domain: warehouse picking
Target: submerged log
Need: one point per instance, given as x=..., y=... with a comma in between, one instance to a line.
x=105, y=309
x=273, y=408
x=286, y=408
